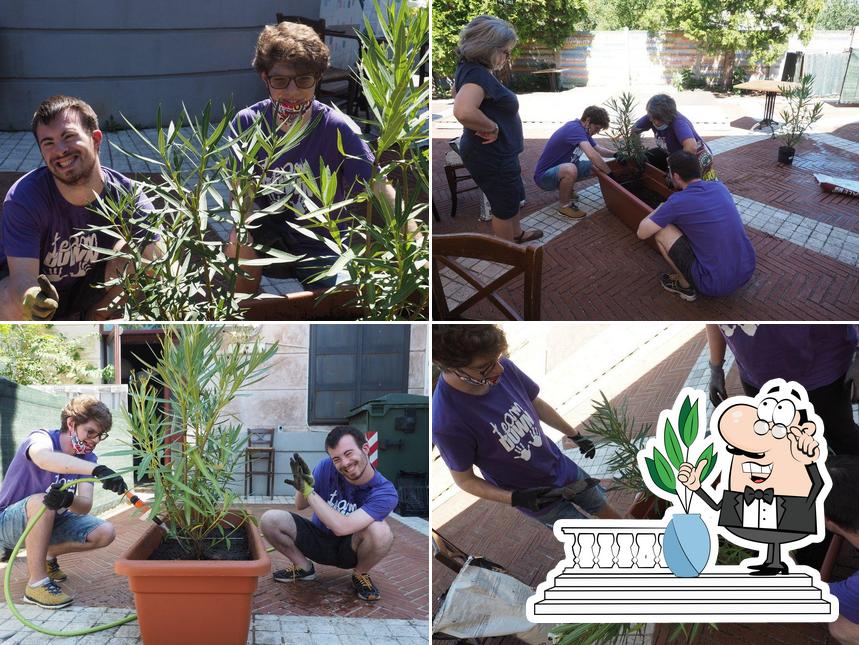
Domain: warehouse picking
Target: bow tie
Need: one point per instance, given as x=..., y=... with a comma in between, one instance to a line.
x=750, y=495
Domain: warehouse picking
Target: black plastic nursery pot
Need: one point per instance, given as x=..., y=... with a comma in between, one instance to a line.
x=785, y=154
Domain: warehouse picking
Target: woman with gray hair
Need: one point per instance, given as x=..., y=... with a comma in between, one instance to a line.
x=489, y=113
x=673, y=132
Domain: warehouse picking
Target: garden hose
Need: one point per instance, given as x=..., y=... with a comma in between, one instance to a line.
x=8, y=577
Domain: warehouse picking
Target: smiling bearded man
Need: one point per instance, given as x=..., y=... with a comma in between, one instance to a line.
x=48, y=265
x=350, y=501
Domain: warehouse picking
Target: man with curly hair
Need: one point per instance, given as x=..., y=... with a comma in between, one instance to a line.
x=46, y=460
x=487, y=413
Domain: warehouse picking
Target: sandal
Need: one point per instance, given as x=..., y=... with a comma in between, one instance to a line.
x=528, y=236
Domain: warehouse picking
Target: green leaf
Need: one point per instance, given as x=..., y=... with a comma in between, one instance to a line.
x=665, y=471
x=689, y=430
x=672, y=445
x=684, y=413
x=655, y=477
x=711, y=461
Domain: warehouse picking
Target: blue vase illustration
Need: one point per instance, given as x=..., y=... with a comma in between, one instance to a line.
x=686, y=545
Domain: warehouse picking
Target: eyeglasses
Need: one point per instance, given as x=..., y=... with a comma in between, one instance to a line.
x=95, y=434
x=304, y=82
x=484, y=373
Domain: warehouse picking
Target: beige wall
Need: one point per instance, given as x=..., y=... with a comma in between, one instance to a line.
x=280, y=399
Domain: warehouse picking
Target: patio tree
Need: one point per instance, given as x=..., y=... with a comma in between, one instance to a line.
x=726, y=27
x=188, y=444
x=41, y=354
x=549, y=22
x=838, y=14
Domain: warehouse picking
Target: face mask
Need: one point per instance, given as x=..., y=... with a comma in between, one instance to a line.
x=661, y=128
x=291, y=112
x=79, y=446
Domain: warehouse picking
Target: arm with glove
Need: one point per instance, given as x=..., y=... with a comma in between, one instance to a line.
x=302, y=481
x=717, y=345
x=550, y=416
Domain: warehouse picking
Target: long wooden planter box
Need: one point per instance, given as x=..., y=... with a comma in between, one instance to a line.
x=628, y=208
x=190, y=601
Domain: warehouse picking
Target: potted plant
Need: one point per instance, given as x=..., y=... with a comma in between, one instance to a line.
x=194, y=581
x=634, y=187
x=687, y=541
x=801, y=113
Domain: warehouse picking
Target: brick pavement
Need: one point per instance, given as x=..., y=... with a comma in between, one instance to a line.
x=401, y=578
x=599, y=270
x=529, y=551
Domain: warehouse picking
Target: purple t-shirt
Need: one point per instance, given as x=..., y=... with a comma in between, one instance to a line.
x=38, y=222
x=500, y=433
x=847, y=592
x=671, y=138
x=708, y=217
x=377, y=497
x=319, y=145
x=563, y=147
x=811, y=355
x=24, y=478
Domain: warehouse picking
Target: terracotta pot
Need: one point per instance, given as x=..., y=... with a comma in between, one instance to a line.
x=191, y=601
x=785, y=155
x=628, y=208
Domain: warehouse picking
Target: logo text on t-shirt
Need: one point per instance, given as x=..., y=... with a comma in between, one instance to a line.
x=516, y=425
x=69, y=253
x=344, y=507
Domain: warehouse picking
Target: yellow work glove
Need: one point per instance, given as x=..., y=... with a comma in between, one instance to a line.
x=302, y=479
x=40, y=303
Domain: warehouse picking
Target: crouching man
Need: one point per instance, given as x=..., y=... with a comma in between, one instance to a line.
x=46, y=460
x=350, y=501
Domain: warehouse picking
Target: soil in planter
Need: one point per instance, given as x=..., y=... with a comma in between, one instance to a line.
x=649, y=197
x=171, y=549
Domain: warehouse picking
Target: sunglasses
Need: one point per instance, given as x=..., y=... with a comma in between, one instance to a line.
x=304, y=82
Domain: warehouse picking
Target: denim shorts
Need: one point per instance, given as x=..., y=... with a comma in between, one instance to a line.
x=551, y=181
x=591, y=500
x=68, y=526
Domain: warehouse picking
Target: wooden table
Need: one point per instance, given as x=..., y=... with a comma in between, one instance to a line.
x=772, y=89
x=555, y=75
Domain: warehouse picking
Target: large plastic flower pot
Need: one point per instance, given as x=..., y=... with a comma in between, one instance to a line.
x=192, y=601
x=686, y=545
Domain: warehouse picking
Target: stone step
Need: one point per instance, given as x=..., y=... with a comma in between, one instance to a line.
x=655, y=611
x=687, y=593
x=618, y=579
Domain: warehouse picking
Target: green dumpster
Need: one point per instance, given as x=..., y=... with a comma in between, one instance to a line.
x=401, y=424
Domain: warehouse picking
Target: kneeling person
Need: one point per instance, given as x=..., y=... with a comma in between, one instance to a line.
x=46, y=460
x=350, y=501
x=569, y=156
x=700, y=234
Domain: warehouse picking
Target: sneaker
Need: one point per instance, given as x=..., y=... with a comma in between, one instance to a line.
x=670, y=284
x=293, y=573
x=54, y=572
x=573, y=213
x=47, y=596
x=364, y=587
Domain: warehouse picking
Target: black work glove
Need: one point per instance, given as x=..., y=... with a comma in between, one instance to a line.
x=534, y=499
x=851, y=379
x=717, y=390
x=586, y=446
x=110, y=480
x=302, y=479
x=55, y=499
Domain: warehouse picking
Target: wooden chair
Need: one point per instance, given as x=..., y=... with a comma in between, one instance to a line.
x=524, y=260
x=345, y=85
x=260, y=448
